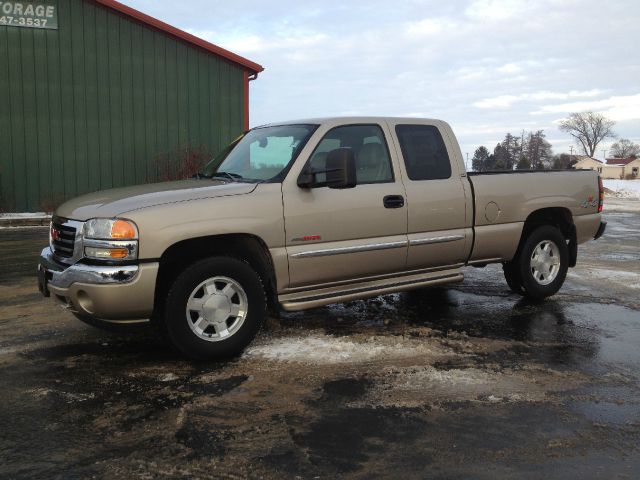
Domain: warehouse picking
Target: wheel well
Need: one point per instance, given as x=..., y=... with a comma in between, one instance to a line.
x=560, y=218
x=186, y=252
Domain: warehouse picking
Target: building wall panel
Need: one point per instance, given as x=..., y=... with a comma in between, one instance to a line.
x=97, y=102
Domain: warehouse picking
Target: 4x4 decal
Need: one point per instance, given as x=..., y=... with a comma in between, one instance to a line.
x=589, y=202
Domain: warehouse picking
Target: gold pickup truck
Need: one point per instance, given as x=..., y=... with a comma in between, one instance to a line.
x=300, y=214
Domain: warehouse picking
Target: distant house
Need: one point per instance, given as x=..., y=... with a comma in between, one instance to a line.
x=589, y=163
x=620, y=161
x=623, y=167
x=615, y=168
x=632, y=168
x=585, y=162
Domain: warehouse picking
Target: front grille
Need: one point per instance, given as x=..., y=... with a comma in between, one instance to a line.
x=63, y=238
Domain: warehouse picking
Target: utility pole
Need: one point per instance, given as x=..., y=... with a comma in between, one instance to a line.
x=604, y=154
x=571, y=157
x=467, y=164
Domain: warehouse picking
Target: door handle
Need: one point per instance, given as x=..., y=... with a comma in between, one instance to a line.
x=393, y=201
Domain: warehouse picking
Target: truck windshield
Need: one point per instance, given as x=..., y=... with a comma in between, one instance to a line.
x=261, y=155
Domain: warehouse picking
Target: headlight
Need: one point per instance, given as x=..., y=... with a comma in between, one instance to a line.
x=110, y=229
x=110, y=239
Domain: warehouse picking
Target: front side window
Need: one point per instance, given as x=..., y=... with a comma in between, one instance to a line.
x=262, y=154
x=425, y=154
x=373, y=164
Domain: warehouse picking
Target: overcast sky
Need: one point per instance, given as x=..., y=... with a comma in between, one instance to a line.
x=485, y=66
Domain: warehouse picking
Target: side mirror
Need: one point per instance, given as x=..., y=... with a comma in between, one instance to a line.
x=341, y=168
x=340, y=171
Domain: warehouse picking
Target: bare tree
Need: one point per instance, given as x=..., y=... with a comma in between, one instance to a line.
x=625, y=148
x=589, y=129
x=563, y=161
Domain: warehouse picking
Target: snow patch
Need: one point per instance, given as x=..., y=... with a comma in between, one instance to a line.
x=612, y=204
x=412, y=386
x=623, y=188
x=625, y=278
x=13, y=216
x=23, y=226
x=168, y=377
x=332, y=350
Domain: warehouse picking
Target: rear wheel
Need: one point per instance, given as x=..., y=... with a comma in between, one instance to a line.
x=543, y=262
x=214, y=308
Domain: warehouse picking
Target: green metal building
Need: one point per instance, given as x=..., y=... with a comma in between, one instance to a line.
x=97, y=95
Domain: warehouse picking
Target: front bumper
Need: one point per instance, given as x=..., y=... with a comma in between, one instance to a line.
x=105, y=292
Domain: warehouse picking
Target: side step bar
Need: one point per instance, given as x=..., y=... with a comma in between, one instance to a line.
x=356, y=291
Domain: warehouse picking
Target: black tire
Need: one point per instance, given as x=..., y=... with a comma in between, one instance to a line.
x=114, y=327
x=511, y=272
x=181, y=335
x=533, y=288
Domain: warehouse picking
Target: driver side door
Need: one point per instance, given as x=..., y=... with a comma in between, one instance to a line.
x=342, y=235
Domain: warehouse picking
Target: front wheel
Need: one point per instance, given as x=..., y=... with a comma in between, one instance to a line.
x=215, y=308
x=511, y=272
x=543, y=262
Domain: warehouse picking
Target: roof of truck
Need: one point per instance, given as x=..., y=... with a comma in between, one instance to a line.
x=354, y=119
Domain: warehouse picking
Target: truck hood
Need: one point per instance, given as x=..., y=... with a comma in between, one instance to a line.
x=118, y=201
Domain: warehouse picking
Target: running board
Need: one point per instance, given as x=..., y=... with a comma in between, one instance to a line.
x=356, y=291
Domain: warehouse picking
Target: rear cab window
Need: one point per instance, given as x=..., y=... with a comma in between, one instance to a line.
x=424, y=152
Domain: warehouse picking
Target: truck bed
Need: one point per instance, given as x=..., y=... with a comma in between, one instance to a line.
x=503, y=172
x=504, y=200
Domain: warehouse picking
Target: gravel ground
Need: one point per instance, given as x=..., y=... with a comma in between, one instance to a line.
x=468, y=381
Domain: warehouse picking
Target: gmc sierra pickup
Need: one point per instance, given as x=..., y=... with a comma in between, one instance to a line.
x=301, y=214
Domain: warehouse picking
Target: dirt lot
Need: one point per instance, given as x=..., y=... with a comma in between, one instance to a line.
x=469, y=381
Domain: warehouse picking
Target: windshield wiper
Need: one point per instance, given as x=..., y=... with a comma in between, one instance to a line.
x=234, y=177
x=200, y=175
x=231, y=176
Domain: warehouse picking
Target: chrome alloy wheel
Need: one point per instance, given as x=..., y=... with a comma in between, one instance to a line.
x=217, y=308
x=545, y=262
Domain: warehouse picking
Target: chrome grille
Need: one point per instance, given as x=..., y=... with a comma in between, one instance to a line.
x=63, y=238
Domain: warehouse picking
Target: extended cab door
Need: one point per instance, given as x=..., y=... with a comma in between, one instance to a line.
x=335, y=235
x=439, y=199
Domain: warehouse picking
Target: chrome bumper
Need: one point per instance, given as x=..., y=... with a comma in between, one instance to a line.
x=110, y=293
x=63, y=277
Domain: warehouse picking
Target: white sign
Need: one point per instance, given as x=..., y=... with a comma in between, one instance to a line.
x=28, y=14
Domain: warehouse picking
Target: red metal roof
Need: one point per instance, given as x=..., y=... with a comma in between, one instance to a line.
x=619, y=161
x=182, y=35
